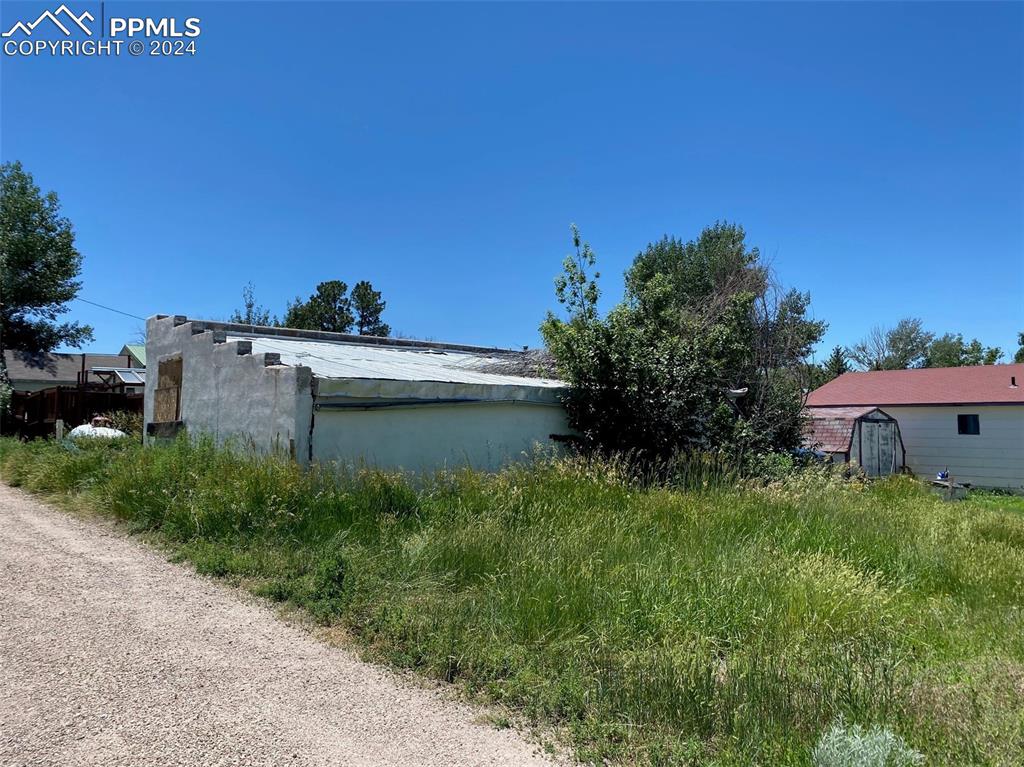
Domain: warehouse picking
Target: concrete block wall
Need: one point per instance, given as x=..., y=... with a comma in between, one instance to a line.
x=229, y=393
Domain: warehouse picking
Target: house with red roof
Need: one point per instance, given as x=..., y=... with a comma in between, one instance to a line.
x=967, y=420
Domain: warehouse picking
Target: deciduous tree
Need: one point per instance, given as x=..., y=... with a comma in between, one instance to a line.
x=251, y=312
x=39, y=266
x=950, y=351
x=700, y=322
x=904, y=346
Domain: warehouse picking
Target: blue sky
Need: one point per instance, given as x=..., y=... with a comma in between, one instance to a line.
x=874, y=152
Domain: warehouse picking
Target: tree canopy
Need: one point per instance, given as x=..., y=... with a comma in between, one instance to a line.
x=665, y=370
x=833, y=367
x=329, y=309
x=368, y=307
x=909, y=345
x=251, y=312
x=39, y=265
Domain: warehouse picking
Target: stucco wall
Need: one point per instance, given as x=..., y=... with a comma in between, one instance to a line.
x=993, y=458
x=484, y=436
x=229, y=393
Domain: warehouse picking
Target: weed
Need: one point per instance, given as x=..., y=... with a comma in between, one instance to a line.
x=689, y=616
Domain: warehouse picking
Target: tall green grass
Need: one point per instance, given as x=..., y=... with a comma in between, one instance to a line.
x=717, y=624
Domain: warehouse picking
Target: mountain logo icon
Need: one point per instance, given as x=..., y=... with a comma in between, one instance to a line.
x=63, y=12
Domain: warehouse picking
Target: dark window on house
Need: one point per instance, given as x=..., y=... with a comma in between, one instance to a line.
x=968, y=424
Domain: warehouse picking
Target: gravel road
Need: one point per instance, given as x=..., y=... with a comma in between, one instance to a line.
x=110, y=655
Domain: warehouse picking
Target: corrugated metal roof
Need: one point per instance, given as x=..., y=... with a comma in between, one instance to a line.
x=350, y=360
x=928, y=386
x=138, y=351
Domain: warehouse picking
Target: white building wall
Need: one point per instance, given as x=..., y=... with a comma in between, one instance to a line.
x=484, y=436
x=229, y=393
x=993, y=458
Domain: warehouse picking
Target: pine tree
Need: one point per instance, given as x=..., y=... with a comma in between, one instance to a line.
x=835, y=365
x=368, y=308
x=329, y=309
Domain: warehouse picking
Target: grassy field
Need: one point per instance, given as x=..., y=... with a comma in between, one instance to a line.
x=714, y=625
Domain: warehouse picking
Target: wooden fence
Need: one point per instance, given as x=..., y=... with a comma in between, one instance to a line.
x=35, y=414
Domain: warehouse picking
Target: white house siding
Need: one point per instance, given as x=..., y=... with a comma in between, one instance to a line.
x=485, y=435
x=993, y=458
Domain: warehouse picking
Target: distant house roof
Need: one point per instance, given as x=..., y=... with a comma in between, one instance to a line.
x=977, y=385
x=137, y=352
x=54, y=369
x=830, y=428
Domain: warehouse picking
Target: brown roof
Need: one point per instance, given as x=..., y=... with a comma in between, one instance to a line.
x=830, y=428
x=978, y=385
x=55, y=369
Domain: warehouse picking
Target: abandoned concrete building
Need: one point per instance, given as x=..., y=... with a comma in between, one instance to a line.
x=331, y=397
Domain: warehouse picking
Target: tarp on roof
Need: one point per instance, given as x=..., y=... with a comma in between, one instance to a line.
x=347, y=360
x=976, y=385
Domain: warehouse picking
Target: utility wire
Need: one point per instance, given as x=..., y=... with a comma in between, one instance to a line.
x=109, y=308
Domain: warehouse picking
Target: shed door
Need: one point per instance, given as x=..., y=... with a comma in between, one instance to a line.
x=878, y=447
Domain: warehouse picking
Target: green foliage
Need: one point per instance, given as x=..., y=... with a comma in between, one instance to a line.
x=131, y=423
x=698, y=319
x=368, y=307
x=329, y=309
x=251, y=312
x=950, y=351
x=724, y=624
x=909, y=345
x=904, y=346
x=39, y=267
x=1019, y=354
x=574, y=288
x=5, y=393
x=836, y=364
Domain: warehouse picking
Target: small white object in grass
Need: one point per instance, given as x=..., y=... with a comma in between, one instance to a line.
x=86, y=430
x=853, y=746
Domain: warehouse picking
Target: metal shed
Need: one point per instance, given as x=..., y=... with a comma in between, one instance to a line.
x=867, y=436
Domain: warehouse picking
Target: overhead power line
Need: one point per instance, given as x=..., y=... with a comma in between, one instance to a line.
x=110, y=309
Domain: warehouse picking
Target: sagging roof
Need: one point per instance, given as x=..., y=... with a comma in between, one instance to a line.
x=54, y=368
x=351, y=359
x=976, y=385
x=830, y=428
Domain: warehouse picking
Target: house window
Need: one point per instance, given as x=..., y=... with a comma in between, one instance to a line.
x=968, y=424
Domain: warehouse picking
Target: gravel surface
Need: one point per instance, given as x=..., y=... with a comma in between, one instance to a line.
x=110, y=655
